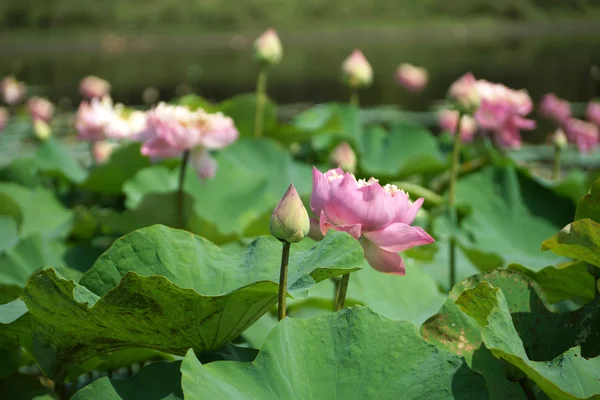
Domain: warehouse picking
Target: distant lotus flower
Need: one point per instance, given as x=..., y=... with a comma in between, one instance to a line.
x=13, y=91
x=464, y=92
x=3, y=118
x=357, y=71
x=203, y=163
x=584, y=134
x=412, y=78
x=268, y=47
x=468, y=126
x=92, y=87
x=41, y=129
x=131, y=127
x=93, y=118
x=344, y=157
x=555, y=108
x=102, y=150
x=380, y=217
x=593, y=112
x=40, y=109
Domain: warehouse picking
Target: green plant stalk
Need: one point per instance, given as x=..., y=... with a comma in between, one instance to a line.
x=595, y=272
x=261, y=97
x=452, y=199
x=556, y=164
x=341, y=293
x=180, y=192
x=285, y=256
x=354, y=99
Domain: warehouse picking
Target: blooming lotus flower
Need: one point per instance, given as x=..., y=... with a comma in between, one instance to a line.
x=102, y=150
x=268, y=48
x=593, y=112
x=131, y=127
x=468, y=126
x=344, y=157
x=92, y=87
x=584, y=134
x=380, y=217
x=12, y=90
x=464, y=92
x=40, y=109
x=555, y=108
x=289, y=220
x=93, y=118
x=357, y=71
x=412, y=78
x=3, y=118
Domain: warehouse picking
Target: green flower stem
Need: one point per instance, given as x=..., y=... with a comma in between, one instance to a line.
x=556, y=164
x=285, y=256
x=354, y=99
x=441, y=181
x=261, y=98
x=341, y=293
x=180, y=192
x=452, y=199
x=595, y=272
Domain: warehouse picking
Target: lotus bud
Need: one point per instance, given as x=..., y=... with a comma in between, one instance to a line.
x=344, y=157
x=412, y=78
x=41, y=129
x=92, y=87
x=3, y=118
x=289, y=221
x=464, y=93
x=268, y=49
x=40, y=109
x=357, y=71
x=12, y=90
x=559, y=139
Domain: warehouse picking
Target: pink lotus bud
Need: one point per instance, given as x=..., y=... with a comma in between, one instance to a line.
x=593, y=112
x=40, y=109
x=414, y=79
x=555, y=108
x=584, y=134
x=289, y=221
x=12, y=90
x=93, y=118
x=468, y=126
x=559, y=139
x=3, y=118
x=268, y=48
x=92, y=87
x=41, y=129
x=464, y=92
x=344, y=157
x=102, y=150
x=357, y=71
x=203, y=163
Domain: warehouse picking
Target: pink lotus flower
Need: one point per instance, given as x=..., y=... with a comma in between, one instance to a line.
x=3, y=118
x=412, y=78
x=92, y=87
x=378, y=216
x=268, y=47
x=12, y=90
x=102, y=150
x=357, y=71
x=468, y=126
x=593, y=112
x=203, y=163
x=584, y=134
x=93, y=118
x=40, y=109
x=131, y=127
x=555, y=108
x=344, y=157
x=464, y=91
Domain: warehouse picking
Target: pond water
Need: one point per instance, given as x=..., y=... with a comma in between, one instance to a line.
x=219, y=66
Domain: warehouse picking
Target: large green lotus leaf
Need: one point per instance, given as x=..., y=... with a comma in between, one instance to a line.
x=157, y=381
x=123, y=163
x=40, y=210
x=22, y=170
x=354, y=353
x=564, y=282
x=573, y=186
x=343, y=124
x=544, y=333
x=404, y=150
x=155, y=179
x=169, y=290
x=14, y=329
x=242, y=108
x=510, y=216
x=570, y=375
x=579, y=240
x=9, y=232
x=28, y=255
x=589, y=205
x=51, y=157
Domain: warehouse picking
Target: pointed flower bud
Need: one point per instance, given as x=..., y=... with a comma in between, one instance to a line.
x=268, y=48
x=41, y=129
x=559, y=139
x=344, y=157
x=413, y=78
x=357, y=71
x=13, y=91
x=92, y=87
x=289, y=220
